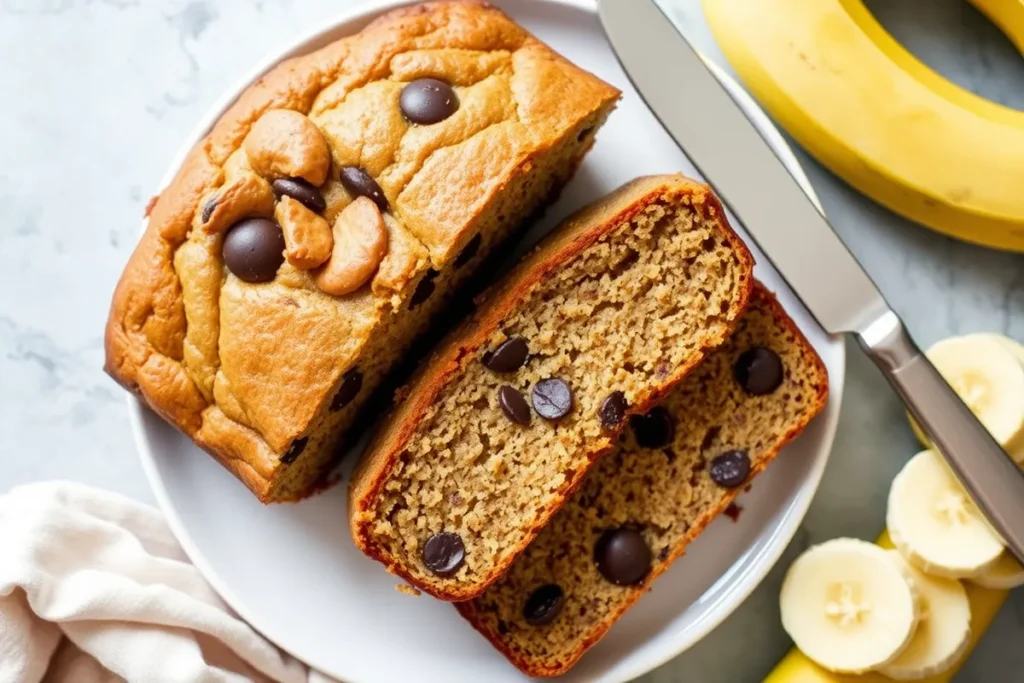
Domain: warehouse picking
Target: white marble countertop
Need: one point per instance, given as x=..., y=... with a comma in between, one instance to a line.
x=96, y=96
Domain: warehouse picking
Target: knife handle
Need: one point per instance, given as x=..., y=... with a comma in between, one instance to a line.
x=991, y=477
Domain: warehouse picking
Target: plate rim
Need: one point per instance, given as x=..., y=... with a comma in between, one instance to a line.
x=797, y=507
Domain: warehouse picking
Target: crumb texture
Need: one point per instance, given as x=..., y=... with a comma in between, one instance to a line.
x=631, y=312
x=667, y=493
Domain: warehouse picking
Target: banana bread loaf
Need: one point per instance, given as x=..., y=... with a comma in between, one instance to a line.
x=598, y=323
x=313, y=234
x=638, y=508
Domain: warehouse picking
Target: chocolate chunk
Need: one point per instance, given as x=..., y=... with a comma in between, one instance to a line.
x=254, y=249
x=759, y=371
x=359, y=183
x=428, y=100
x=295, y=450
x=656, y=429
x=443, y=553
x=424, y=289
x=514, y=405
x=301, y=191
x=209, y=207
x=508, y=357
x=622, y=556
x=351, y=383
x=613, y=409
x=544, y=604
x=552, y=398
x=730, y=469
x=468, y=252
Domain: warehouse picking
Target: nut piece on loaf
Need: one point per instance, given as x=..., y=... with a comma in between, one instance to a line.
x=329, y=214
x=559, y=597
x=598, y=323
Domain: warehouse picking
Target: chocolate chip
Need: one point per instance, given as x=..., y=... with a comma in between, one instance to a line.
x=613, y=409
x=622, y=556
x=544, y=604
x=759, y=371
x=730, y=469
x=508, y=357
x=301, y=191
x=468, y=252
x=424, y=289
x=443, y=553
x=209, y=207
x=295, y=450
x=552, y=398
x=514, y=405
x=351, y=383
x=359, y=183
x=656, y=429
x=732, y=511
x=254, y=249
x=428, y=100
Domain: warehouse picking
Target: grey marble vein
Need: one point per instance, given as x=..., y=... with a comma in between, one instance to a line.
x=96, y=97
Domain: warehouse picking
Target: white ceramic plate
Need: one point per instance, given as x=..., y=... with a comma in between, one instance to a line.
x=292, y=570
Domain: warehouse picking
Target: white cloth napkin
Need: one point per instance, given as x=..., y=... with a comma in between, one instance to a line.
x=94, y=588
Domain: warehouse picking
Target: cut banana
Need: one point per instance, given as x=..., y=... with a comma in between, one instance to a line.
x=988, y=375
x=934, y=523
x=1011, y=345
x=943, y=631
x=989, y=379
x=1005, y=574
x=1016, y=449
x=848, y=606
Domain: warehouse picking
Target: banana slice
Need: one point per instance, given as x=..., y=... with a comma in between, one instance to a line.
x=1015, y=449
x=1011, y=345
x=1005, y=574
x=847, y=606
x=943, y=632
x=934, y=523
x=988, y=374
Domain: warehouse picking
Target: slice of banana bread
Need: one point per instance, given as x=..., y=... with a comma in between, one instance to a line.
x=677, y=468
x=309, y=239
x=598, y=323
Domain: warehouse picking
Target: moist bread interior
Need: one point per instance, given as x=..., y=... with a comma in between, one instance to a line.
x=622, y=315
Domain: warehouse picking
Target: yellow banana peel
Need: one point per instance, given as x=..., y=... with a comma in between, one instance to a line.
x=796, y=668
x=867, y=109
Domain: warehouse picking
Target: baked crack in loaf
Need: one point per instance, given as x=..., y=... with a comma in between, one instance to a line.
x=597, y=323
x=677, y=468
x=326, y=218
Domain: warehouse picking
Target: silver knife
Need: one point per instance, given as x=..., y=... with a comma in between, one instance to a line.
x=745, y=173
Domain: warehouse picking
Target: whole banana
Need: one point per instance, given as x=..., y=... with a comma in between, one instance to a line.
x=868, y=110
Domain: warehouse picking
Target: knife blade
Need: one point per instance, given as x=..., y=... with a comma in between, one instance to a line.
x=748, y=177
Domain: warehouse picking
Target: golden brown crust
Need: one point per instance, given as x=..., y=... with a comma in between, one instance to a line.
x=202, y=358
x=537, y=668
x=581, y=230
